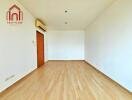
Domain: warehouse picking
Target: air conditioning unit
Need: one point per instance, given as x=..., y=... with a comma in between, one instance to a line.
x=39, y=24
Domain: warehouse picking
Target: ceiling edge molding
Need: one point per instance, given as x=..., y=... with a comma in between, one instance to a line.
x=26, y=8
x=101, y=13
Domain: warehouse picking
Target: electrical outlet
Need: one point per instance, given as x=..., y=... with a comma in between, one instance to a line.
x=8, y=78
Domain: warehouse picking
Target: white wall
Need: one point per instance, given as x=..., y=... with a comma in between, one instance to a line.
x=108, y=44
x=18, y=55
x=65, y=45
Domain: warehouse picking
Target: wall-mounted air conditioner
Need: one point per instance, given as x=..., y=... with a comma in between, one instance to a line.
x=39, y=24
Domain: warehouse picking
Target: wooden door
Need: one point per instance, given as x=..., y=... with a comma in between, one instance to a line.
x=40, y=49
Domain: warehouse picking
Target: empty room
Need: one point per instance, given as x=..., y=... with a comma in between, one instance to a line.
x=65, y=50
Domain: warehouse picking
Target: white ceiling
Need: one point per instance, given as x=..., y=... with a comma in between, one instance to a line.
x=52, y=12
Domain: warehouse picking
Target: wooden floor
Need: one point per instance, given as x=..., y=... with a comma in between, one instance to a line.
x=66, y=80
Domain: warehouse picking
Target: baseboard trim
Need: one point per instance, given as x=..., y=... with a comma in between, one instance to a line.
x=17, y=82
x=66, y=60
x=108, y=77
